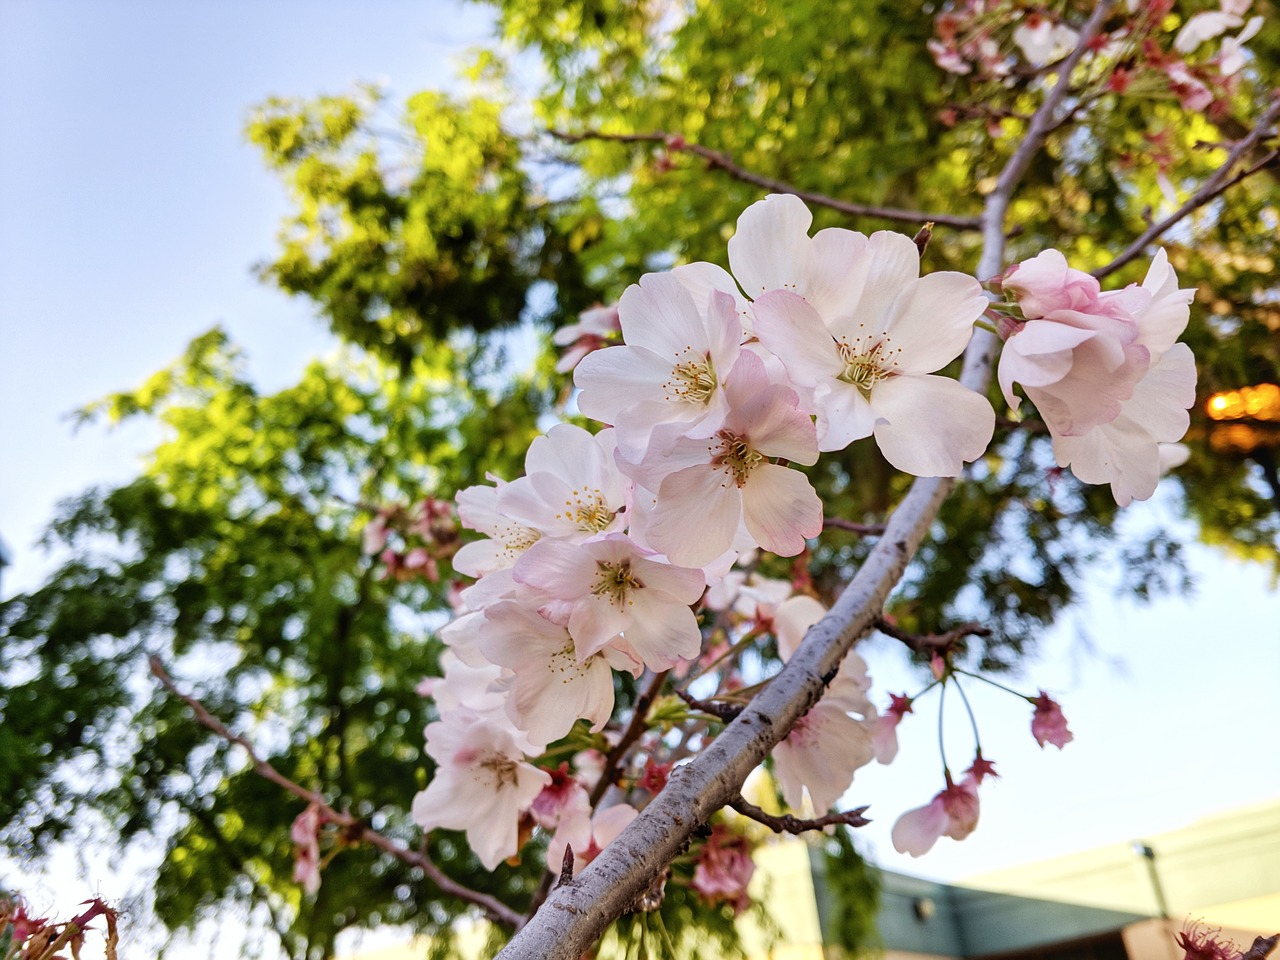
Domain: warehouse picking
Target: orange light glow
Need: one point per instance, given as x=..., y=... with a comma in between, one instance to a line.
x=1260, y=402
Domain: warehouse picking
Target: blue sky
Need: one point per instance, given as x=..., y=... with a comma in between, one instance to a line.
x=133, y=212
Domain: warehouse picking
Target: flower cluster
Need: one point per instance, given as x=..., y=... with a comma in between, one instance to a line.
x=616, y=550
x=1137, y=55
x=596, y=558
x=1103, y=369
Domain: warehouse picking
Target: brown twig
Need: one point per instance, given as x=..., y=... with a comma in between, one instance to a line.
x=724, y=162
x=722, y=711
x=1262, y=947
x=352, y=827
x=789, y=824
x=629, y=736
x=924, y=642
x=1218, y=183
x=863, y=529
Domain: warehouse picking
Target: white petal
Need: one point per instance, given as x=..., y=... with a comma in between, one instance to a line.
x=930, y=425
x=931, y=320
x=771, y=245
x=781, y=509
x=793, y=331
x=698, y=512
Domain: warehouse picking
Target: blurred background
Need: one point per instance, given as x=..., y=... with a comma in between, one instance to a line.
x=263, y=266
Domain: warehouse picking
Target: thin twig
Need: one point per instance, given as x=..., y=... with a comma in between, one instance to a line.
x=725, y=162
x=1218, y=183
x=789, y=824
x=722, y=711
x=863, y=529
x=1262, y=947
x=629, y=736
x=924, y=642
x=352, y=827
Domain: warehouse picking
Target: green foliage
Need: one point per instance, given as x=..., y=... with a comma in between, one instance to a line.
x=403, y=235
x=236, y=557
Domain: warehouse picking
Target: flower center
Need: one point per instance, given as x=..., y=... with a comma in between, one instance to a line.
x=500, y=770
x=565, y=663
x=867, y=360
x=736, y=457
x=693, y=379
x=615, y=581
x=587, y=509
x=516, y=539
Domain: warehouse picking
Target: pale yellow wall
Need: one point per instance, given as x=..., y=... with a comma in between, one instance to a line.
x=1225, y=868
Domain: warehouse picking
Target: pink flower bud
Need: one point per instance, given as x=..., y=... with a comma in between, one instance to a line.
x=1048, y=725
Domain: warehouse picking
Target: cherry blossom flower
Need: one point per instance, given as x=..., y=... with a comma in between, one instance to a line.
x=884, y=732
x=723, y=868
x=550, y=688
x=1103, y=369
x=610, y=586
x=1048, y=725
x=860, y=332
x=1204, y=26
x=1042, y=41
x=953, y=813
x=564, y=807
x=481, y=785
x=572, y=488
x=594, y=329
x=826, y=746
x=670, y=369
x=707, y=488
x=1126, y=452
x=506, y=539
x=305, y=834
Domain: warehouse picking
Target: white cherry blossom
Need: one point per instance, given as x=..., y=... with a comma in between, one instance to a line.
x=549, y=687
x=506, y=539
x=611, y=586
x=707, y=488
x=572, y=488
x=481, y=785
x=671, y=368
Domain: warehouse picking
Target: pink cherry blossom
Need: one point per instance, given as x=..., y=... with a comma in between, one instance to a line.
x=305, y=834
x=610, y=586
x=482, y=784
x=953, y=813
x=860, y=332
x=1126, y=452
x=724, y=868
x=884, y=731
x=671, y=368
x=1103, y=369
x=707, y=488
x=1048, y=725
x=550, y=688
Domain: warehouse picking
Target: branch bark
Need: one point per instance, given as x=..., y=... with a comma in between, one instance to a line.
x=353, y=827
x=1218, y=183
x=726, y=163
